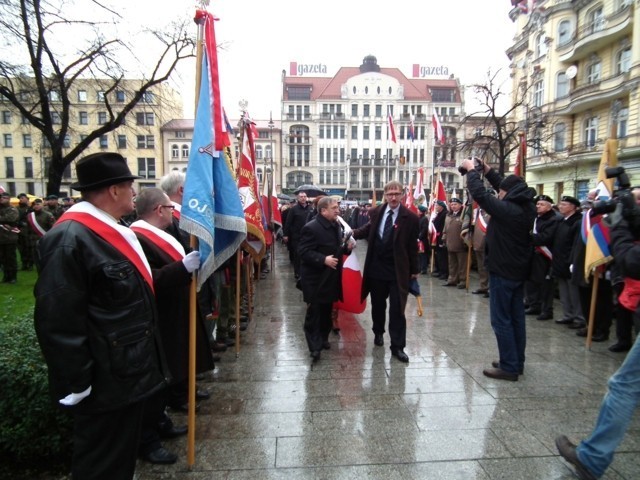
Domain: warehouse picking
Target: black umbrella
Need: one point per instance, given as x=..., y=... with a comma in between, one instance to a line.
x=284, y=196
x=310, y=190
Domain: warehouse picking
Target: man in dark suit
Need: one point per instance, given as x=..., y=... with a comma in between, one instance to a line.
x=320, y=251
x=296, y=219
x=390, y=264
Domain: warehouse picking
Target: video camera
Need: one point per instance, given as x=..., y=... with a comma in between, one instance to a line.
x=478, y=166
x=623, y=196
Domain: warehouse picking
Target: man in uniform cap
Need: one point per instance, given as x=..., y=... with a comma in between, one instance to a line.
x=95, y=319
x=53, y=207
x=456, y=248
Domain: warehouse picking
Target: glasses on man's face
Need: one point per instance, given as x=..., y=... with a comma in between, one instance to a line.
x=393, y=194
x=172, y=207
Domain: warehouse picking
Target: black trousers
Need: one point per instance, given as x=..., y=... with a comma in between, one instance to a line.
x=317, y=325
x=380, y=290
x=154, y=414
x=604, y=306
x=105, y=445
x=9, y=261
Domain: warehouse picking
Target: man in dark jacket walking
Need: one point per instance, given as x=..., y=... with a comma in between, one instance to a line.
x=95, y=319
x=508, y=258
x=320, y=253
x=296, y=219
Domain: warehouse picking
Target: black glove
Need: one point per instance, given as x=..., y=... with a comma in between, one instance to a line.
x=614, y=218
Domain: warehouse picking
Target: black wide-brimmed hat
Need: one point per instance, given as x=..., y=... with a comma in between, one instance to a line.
x=101, y=170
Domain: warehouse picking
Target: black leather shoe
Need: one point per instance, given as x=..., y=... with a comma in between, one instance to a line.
x=315, y=356
x=581, y=332
x=160, y=456
x=326, y=345
x=568, y=451
x=600, y=337
x=167, y=430
x=202, y=394
x=400, y=355
x=532, y=311
x=496, y=364
x=576, y=325
x=619, y=347
x=564, y=321
x=500, y=374
x=448, y=284
x=378, y=340
x=480, y=291
x=545, y=316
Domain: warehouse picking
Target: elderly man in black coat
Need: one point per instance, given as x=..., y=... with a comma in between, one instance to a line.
x=320, y=251
x=508, y=258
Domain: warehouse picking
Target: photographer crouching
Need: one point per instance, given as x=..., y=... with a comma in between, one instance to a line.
x=592, y=456
x=508, y=252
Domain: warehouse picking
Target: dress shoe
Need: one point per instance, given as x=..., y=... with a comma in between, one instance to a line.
x=532, y=311
x=218, y=346
x=461, y=286
x=378, y=340
x=326, y=345
x=496, y=364
x=568, y=451
x=600, y=337
x=500, y=374
x=479, y=291
x=400, y=355
x=619, y=347
x=169, y=430
x=576, y=325
x=545, y=316
x=564, y=321
x=315, y=355
x=449, y=284
x=160, y=456
x=202, y=394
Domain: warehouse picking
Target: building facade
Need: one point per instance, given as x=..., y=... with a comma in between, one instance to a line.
x=578, y=62
x=24, y=157
x=336, y=134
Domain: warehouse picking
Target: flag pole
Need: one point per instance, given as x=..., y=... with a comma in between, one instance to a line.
x=193, y=242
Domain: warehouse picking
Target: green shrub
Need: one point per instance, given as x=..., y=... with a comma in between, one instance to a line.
x=33, y=432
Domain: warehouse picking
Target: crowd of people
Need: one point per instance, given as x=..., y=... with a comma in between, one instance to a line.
x=111, y=312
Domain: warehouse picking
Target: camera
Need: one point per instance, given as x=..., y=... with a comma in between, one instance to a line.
x=623, y=195
x=478, y=166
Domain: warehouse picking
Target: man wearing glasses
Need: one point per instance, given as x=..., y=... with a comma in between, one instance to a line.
x=390, y=264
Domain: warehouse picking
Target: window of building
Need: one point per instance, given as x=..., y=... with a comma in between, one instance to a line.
x=54, y=96
x=538, y=93
x=623, y=60
x=147, y=167
x=593, y=72
x=122, y=141
x=8, y=140
x=562, y=85
x=147, y=97
x=175, y=151
x=559, y=137
x=354, y=132
x=591, y=131
x=8, y=161
x=120, y=97
x=299, y=93
x=366, y=110
x=582, y=189
x=185, y=151
x=564, y=32
x=623, y=118
x=26, y=140
x=55, y=118
x=104, y=142
x=595, y=20
x=180, y=134
x=258, y=149
x=354, y=110
x=378, y=133
x=28, y=167
x=31, y=188
x=443, y=95
x=102, y=118
x=6, y=117
x=145, y=141
x=66, y=143
x=321, y=131
x=365, y=132
x=541, y=45
x=100, y=96
x=145, y=118
x=82, y=95
x=378, y=110
x=83, y=118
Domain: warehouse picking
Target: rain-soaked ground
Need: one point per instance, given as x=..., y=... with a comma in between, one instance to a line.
x=360, y=413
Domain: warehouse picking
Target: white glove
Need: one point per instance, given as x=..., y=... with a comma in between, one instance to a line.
x=571, y=268
x=191, y=261
x=75, y=398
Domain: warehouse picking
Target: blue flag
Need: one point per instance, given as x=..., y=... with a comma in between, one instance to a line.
x=211, y=206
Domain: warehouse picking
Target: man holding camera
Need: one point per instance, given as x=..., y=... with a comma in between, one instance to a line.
x=508, y=258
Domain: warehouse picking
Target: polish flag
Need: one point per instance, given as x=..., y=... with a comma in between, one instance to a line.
x=419, y=184
x=437, y=128
x=392, y=131
x=351, y=286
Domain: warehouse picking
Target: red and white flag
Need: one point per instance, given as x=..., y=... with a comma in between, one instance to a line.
x=351, y=286
x=419, y=184
x=437, y=128
x=392, y=131
x=521, y=155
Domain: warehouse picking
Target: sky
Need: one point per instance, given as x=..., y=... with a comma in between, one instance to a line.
x=258, y=39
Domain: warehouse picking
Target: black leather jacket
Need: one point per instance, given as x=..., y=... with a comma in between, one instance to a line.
x=95, y=318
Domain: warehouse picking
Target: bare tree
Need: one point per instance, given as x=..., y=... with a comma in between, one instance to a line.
x=48, y=48
x=497, y=131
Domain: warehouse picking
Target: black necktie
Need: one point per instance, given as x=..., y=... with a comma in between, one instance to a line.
x=388, y=226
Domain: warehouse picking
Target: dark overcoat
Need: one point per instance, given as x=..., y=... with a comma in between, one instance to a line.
x=405, y=248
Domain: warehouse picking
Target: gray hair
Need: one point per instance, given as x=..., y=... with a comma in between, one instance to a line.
x=325, y=202
x=171, y=182
x=148, y=199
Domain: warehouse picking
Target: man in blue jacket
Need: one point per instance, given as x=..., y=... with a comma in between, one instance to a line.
x=508, y=259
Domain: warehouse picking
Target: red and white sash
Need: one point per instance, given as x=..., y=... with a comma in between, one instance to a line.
x=120, y=237
x=161, y=239
x=176, y=210
x=35, y=226
x=480, y=222
x=544, y=251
